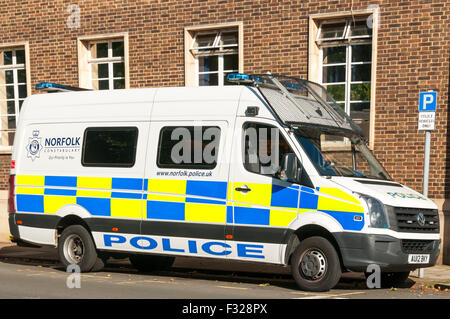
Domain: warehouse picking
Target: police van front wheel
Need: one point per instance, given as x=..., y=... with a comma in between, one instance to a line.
x=315, y=265
x=76, y=247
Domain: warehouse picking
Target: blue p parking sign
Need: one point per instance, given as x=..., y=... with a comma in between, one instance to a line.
x=427, y=102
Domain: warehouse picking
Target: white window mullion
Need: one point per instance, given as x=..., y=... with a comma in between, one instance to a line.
x=220, y=69
x=110, y=76
x=16, y=90
x=348, y=78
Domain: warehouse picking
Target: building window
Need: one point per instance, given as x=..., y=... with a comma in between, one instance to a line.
x=216, y=54
x=211, y=52
x=106, y=61
x=346, y=65
x=13, y=91
x=103, y=61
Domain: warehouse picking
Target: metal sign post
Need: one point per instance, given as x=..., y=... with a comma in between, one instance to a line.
x=427, y=120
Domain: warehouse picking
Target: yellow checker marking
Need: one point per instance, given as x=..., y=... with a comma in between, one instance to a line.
x=30, y=190
x=53, y=203
x=209, y=213
x=169, y=186
x=94, y=182
x=126, y=207
x=326, y=203
x=281, y=217
x=101, y=194
x=30, y=180
x=260, y=194
x=336, y=192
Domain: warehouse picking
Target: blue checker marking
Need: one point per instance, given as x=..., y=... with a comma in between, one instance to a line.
x=126, y=195
x=252, y=216
x=60, y=192
x=308, y=190
x=127, y=183
x=230, y=214
x=284, y=197
x=96, y=206
x=207, y=189
x=165, y=210
x=308, y=200
x=30, y=203
x=64, y=181
x=346, y=219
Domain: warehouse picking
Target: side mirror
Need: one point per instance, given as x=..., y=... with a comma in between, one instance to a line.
x=291, y=168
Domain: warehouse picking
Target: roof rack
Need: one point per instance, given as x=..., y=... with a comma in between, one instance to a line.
x=55, y=87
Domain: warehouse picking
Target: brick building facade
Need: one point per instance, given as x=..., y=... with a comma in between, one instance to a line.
x=161, y=45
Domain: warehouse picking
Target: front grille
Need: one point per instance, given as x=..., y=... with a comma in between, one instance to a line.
x=406, y=220
x=413, y=246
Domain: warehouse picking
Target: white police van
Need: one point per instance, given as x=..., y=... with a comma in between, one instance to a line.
x=270, y=171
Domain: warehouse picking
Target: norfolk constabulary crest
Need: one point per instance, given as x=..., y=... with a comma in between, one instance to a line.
x=34, y=146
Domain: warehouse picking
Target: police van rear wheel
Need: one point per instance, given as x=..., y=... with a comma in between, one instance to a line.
x=76, y=247
x=147, y=263
x=315, y=265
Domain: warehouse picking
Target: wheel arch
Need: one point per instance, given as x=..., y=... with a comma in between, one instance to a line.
x=307, y=231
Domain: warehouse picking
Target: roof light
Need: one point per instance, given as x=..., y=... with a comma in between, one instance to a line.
x=55, y=87
x=239, y=77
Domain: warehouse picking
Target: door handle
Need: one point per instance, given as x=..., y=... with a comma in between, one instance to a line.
x=244, y=189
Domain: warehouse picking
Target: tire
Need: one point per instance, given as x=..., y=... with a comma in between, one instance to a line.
x=76, y=246
x=147, y=263
x=315, y=265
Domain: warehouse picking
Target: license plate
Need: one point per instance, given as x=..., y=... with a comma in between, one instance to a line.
x=418, y=259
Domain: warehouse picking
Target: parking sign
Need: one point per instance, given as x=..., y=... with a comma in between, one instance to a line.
x=427, y=101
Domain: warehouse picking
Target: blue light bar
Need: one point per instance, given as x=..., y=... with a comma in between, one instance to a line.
x=239, y=78
x=55, y=87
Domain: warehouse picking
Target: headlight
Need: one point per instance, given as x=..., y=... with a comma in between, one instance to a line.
x=377, y=213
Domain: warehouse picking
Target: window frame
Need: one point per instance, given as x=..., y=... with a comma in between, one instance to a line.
x=215, y=50
x=109, y=128
x=191, y=60
x=110, y=60
x=84, y=67
x=17, y=46
x=314, y=72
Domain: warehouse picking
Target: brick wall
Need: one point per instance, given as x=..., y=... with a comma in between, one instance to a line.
x=413, y=55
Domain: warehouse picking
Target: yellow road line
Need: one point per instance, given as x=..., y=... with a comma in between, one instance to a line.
x=228, y=287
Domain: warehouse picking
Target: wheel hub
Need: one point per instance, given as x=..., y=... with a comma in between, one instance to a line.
x=313, y=265
x=74, y=249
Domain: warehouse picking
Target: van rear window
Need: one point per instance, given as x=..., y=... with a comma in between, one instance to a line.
x=109, y=146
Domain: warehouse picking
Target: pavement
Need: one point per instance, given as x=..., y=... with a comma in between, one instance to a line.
x=434, y=277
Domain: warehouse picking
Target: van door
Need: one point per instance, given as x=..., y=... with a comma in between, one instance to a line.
x=186, y=179
x=263, y=204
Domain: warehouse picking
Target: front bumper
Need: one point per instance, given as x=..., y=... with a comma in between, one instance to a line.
x=360, y=250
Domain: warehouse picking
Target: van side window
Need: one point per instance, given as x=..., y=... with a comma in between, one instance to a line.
x=109, y=146
x=264, y=147
x=189, y=147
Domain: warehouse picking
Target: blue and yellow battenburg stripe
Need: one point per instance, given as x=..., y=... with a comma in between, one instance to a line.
x=185, y=200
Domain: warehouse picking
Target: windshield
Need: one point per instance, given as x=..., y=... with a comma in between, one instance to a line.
x=338, y=154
